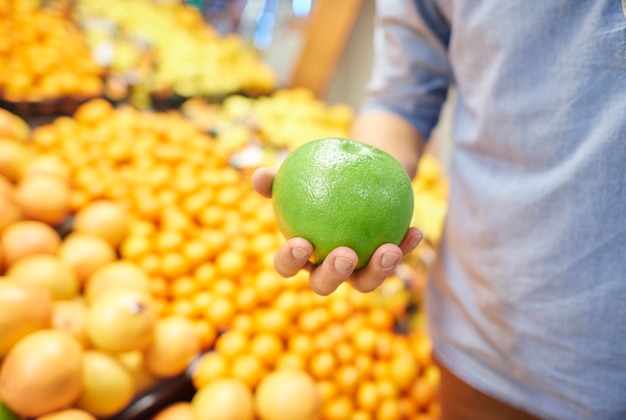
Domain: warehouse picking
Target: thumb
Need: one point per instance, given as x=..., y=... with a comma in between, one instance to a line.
x=262, y=180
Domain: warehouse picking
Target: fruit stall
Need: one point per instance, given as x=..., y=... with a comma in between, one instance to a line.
x=136, y=262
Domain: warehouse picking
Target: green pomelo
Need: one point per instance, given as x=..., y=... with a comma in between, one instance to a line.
x=337, y=192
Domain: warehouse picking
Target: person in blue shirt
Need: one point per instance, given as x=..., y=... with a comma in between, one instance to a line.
x=527, y=300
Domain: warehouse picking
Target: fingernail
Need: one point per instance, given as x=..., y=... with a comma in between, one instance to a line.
x=299, y=253
x=389, y=259
x=415, y=241
x=343, y=264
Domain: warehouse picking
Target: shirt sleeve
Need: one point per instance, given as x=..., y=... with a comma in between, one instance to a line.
x=410, y=70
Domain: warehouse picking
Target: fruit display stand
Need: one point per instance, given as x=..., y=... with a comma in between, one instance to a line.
x=138, y=238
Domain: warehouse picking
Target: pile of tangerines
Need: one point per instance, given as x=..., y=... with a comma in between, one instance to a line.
x=184, y=226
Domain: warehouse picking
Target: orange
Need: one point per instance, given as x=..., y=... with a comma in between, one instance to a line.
x=367, y=396
x=290, y=360
x=207, y=333
x=339, y=408
x=336, y=192
x=271, y=321
x=288, y=395
x=220, y=312
x=242, y=322
x=347, y=378
x=323, y=365
x=231, y=344
x=230, y=263
x=389, y=409
x=211, y=366
x=249, y=369
x=267, y=347
x=404, y=370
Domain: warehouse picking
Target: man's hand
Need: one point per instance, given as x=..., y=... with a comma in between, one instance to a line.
x=339, y=264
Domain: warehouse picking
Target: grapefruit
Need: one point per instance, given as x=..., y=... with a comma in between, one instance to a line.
x=338, y=192
x=133, y=361
x=13, y=154
x=288, y=394
x=176, y=411
x=45, y=198
x=47, y=165
x=105, y=218
x=42, y=373
x=71, y=316
x=107, y=386
x=28, y=237
x=86, y=253
x=24, y=310
x=223, y=399
x=69, y=414
x=176, y=343
x=116, y=274
x=121, y=320
x=10, y=212
x=48, y=272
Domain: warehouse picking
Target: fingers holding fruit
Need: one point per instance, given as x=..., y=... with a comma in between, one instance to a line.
x=352, y=202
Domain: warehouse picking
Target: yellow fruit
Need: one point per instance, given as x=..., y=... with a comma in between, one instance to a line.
x=42, y=373
x=336, y=192
x=176, y=411
x=13, y=154
x=223, y=399
x=116, y=274
x=28, y=237
x=176, y=343
x=107, y=386
x=122, y=320
x=24, y=310
x=71, y=316
x=133, y=361
x=104, y=218
x=45, y=198
x=249, y=369
x=286, y=395
x=10, y=212
x=86, y=253
x=13, y=126
x=7, y=189
x=47, y=272
x=211, y=366
x=69, y=414
x=46, y=165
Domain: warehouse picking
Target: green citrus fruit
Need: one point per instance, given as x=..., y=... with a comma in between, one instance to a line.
x=337, y=192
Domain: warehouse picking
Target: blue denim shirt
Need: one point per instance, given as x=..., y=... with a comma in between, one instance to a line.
x=527, y=301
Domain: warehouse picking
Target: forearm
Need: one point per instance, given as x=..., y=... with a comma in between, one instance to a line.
x=392, y=134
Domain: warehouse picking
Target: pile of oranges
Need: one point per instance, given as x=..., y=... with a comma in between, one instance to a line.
x=44, y=56
x=205, y=242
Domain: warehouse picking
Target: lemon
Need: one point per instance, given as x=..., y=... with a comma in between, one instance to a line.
x=339, y=192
